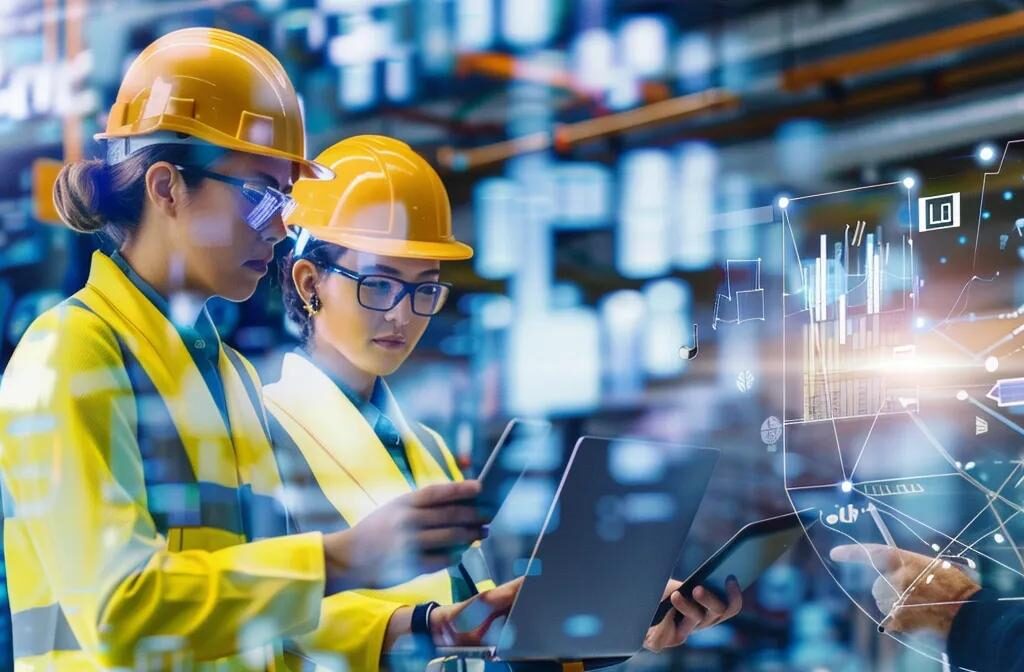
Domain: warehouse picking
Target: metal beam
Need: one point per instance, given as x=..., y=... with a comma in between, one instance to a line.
x=901, y=52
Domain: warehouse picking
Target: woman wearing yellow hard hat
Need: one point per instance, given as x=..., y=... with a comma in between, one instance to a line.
x=137, y=470
x=364, y=280
x=366, y=241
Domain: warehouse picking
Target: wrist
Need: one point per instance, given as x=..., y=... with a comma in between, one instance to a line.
x=423, y=620
x=440, y=617
x=965, y=596
x=338, y=561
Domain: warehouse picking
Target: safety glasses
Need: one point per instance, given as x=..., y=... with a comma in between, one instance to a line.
x=266, y=201
x=384, y=292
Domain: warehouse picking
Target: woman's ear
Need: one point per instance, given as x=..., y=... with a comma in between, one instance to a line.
x=164, y=187
x=305, y=275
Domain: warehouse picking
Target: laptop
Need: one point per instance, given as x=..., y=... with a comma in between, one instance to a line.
x=609, y=543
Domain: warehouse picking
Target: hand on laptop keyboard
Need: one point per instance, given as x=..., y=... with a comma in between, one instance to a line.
x=470, y=622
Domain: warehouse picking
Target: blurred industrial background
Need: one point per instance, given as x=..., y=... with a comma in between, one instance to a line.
x=616, y=164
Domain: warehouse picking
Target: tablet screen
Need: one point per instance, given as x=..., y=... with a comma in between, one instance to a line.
x=747, y=558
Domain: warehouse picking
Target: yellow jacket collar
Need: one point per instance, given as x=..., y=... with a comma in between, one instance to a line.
x=148, y=333
x=107, y=278
x=336, y=428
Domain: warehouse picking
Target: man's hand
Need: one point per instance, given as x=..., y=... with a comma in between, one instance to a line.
x=703, y=611
x=914, y=592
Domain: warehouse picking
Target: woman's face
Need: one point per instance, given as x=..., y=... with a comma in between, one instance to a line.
x=373, y=341
x=221, y=254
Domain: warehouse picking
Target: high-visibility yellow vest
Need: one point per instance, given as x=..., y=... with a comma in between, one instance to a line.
x=131, y=503
x=336, y=471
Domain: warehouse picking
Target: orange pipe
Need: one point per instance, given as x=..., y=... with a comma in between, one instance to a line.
x=900, y=52
x=508, y=68
x=568, y=135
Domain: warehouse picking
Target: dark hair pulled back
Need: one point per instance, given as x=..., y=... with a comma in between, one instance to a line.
x=94, y=197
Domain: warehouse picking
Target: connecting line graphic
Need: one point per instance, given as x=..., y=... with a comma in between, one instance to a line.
x=945, y=552
x=864, y=446
x=1000, y=526
x=981, y=204
x=1004, y=340
x=955, y=343
x=939, y=448
x=796, y=252
x=869, y=614
x=975, y=318
x=823, y=486
x=842, y=191
x=994, y=499
x=967, y=287
x=896, y=513
x=955, y=540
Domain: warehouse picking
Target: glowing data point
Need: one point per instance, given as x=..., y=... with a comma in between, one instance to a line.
x=986, y=153
x=783, y=202
x=847, y=486
x=909, y=182
x=962, y=395
x=991, y=364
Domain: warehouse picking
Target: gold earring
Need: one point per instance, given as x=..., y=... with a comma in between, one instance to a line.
x=313, y=307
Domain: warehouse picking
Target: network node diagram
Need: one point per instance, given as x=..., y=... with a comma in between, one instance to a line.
x=903, y=396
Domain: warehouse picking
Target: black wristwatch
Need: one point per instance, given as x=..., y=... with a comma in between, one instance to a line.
x=420, y=624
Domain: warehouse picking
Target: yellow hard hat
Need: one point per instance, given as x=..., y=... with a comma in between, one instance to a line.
x=213, y=86
x=384, y=199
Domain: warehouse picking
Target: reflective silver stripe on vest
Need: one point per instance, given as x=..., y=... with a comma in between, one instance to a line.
x=42, y=630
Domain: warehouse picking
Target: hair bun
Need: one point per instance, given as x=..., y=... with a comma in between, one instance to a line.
x=80, y=193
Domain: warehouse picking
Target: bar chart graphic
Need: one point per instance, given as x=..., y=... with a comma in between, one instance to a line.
x=848, y=320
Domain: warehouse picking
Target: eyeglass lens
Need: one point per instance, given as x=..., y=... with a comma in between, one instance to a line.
x=378, y=292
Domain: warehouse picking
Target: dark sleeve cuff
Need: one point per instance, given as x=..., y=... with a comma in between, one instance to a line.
x=987, y=633
x=972, y=619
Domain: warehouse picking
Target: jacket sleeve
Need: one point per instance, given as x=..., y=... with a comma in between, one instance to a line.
x=72, y=466
x=988, y=635
x=351, y=632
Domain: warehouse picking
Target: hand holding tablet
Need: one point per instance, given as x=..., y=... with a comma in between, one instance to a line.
x=743, y=558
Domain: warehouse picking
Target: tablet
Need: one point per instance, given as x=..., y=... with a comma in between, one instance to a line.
x=746, y=556
x=517, y=448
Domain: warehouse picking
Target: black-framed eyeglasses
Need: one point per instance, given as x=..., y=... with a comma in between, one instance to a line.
x=266, y=200
x=383, y=292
